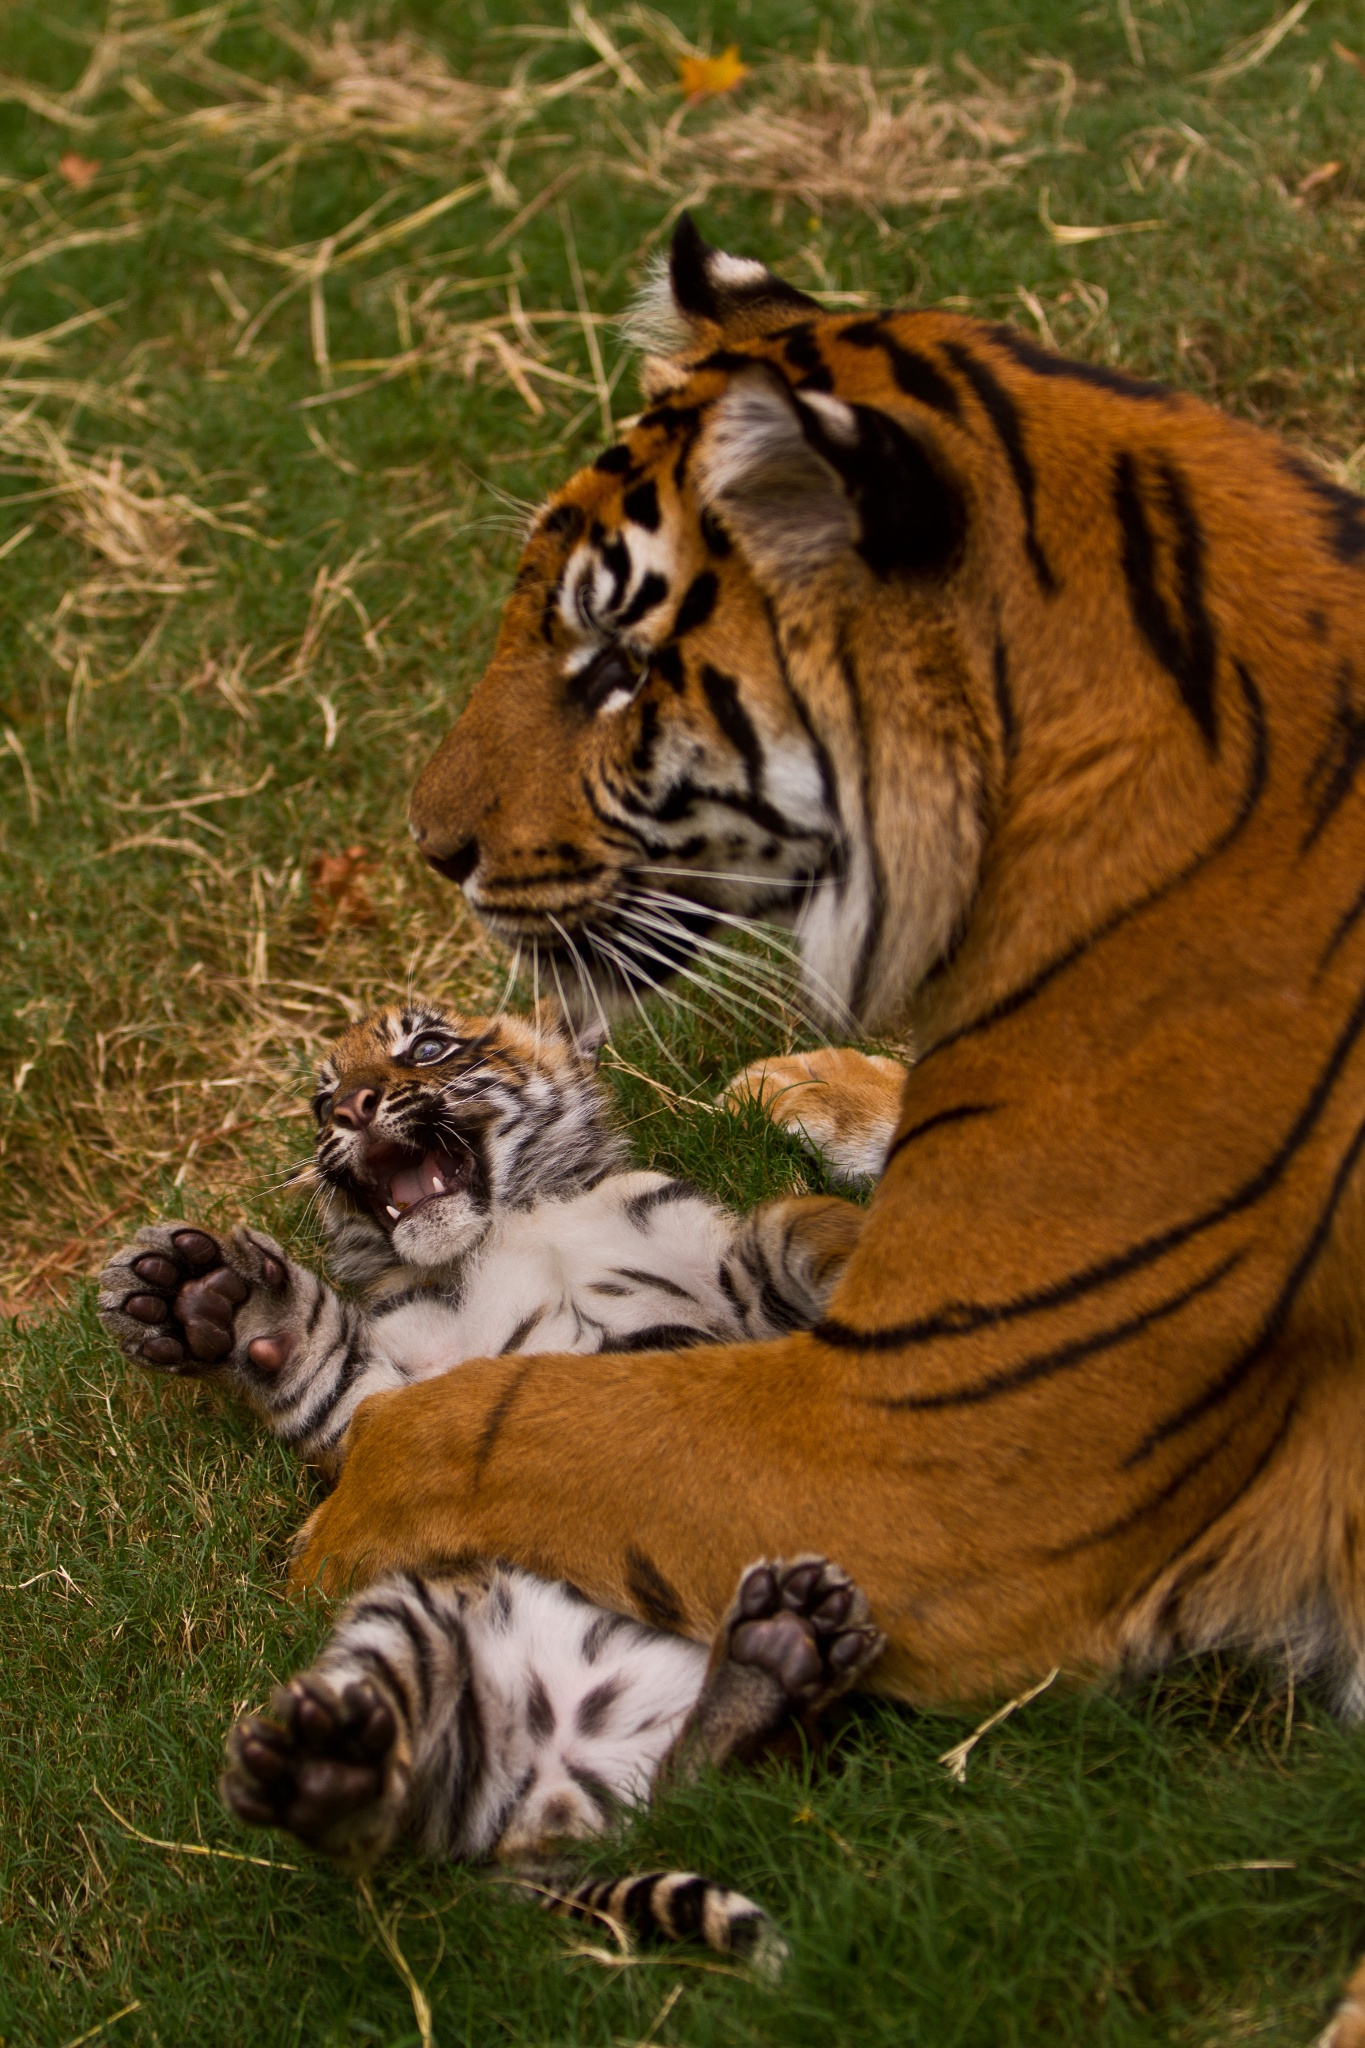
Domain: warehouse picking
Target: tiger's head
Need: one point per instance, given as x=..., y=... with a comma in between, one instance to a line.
x=667, y=738
x=429, y=1121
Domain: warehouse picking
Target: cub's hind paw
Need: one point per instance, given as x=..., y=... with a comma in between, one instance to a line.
x=806, y=1626
x=170, y=1299
x=323, y=1764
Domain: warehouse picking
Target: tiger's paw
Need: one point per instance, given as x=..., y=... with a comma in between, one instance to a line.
x=184, y=1302
x=844, y=1105
x=805, y=1626
x=325, y=1765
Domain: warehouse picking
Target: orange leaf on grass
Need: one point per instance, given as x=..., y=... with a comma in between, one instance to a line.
x=701, y=78
x=78, y=170
x=340, y=896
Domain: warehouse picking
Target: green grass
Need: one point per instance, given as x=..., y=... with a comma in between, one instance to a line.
x=160, y=1004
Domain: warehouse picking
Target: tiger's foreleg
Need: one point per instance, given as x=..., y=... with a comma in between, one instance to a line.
x=240, y=1309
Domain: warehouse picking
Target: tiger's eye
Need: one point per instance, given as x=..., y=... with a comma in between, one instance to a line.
x=428, y=1050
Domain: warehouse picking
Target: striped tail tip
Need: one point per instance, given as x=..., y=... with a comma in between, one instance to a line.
x=680, y=1905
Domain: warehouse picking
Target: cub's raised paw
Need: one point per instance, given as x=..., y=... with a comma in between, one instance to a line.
x=323, y=1764
x=806, y=1626
x=845, y=1105
x=171, y=1299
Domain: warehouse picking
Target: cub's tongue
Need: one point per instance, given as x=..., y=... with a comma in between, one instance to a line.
x=413, y=1184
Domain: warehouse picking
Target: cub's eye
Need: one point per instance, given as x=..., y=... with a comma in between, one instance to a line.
x=610, y=681
x=428, y=1051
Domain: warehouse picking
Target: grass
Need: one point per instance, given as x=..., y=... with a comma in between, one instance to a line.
x=269, y=415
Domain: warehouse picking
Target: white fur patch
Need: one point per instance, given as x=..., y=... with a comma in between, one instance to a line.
x=787, y=506
x=745, y=272
x=653, y=322
x=838, y=420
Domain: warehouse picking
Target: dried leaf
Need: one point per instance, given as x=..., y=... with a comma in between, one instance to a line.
x=702, y=78
x=79, y=171
x=1323, y=175
x=1350, y=57
x=340, y=896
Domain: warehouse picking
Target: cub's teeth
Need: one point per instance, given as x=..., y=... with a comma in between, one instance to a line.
x=438, y=1183
x=395, y=1213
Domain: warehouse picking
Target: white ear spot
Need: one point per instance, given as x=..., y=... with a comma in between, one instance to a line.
x=742, y=272
x=839, y=421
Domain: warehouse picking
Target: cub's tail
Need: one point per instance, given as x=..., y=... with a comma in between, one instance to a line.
x=677, y=1905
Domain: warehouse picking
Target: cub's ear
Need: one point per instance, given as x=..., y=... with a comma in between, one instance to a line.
x=800, y=477
x=586, y=1039
x=700, y=294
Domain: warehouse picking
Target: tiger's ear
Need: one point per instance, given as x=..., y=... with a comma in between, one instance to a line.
x=700, y=294
x=801, y=477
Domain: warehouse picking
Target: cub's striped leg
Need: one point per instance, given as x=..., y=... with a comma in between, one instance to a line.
x=785, y=1260
x=184, y=1302
x=796, y=1636
x=845, y=1105
x=377, y=1739
x=678, y=1905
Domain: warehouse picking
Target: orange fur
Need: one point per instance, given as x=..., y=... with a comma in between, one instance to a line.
x=1090, y=1391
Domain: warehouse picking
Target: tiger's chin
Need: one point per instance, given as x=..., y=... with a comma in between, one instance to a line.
x=439, y=1230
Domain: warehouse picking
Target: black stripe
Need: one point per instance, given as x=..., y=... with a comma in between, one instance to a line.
x=521, y=1332
x=1164, y=1495
x=1333, y=773
x=1252, y=791
x=644, y=1279
x=1344, y=928
x=639, y=1206
x=1346, y=512
x=653, y=590
x=597, y=1788
x=498, y=1415
x=722, y=694
x=960, y=1115
x=1229, y=1381
x=872, y=937
x=682, y=1908
x=364, y=1653
x=915, y=374
x=698, y=604
x=1046, y=363
x=1065, y=1356
x=394, y=1610
x=641, y=506
x=1003, y=415
x=652, y=1593
x=956, y=1319
x=1004, y=703
x=660, y=1337
x=1188, y=650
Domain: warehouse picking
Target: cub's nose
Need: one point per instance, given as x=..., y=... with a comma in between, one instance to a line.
x=357, y=1111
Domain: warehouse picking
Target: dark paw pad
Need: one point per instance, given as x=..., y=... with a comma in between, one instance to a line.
x=172, y=1297
x=316, y=1764
x=807, y=1625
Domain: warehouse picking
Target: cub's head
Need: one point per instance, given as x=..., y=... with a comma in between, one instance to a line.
x=672, y=735
x=430, y=1121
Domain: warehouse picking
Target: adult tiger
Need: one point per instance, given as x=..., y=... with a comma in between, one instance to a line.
x=1049, y=684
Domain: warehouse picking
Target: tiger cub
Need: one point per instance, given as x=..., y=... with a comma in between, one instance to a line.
x=475, y=1194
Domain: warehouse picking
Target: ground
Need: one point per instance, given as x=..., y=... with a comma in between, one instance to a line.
x=301, y=310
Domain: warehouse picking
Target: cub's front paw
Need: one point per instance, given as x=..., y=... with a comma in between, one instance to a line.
x=327, y=1765
x=172, y=1298
x=845, y=1105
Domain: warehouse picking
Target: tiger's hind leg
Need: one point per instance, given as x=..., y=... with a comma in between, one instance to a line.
x=797, y=1635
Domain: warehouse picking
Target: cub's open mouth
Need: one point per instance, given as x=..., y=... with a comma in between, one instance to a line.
x=401, y=1180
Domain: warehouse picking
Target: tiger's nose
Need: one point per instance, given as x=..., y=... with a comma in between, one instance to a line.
x=457, y=865
x=357, y=1111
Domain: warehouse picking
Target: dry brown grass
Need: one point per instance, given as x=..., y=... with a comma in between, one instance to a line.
x=844, y=135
